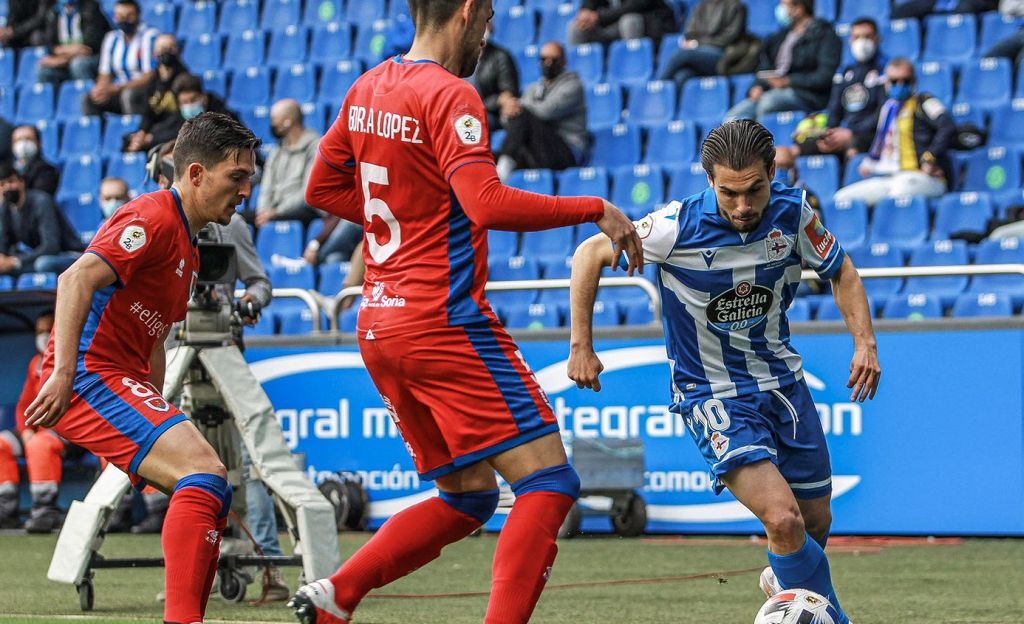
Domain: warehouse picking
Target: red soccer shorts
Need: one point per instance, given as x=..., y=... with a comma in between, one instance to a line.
x=117, y=418
x=458, y=394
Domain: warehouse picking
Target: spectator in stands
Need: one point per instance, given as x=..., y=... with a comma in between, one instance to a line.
x=908, y=154
x=282, y=189
x=126, y=67
x=25, y=24
x=923, y=8
x=1011, y=8
x=711, y=28
x=1011, y=47
x=797, y=64
x=849, y=121
x=113, y=195
x=608, y=20
x=41, y=448
x=496, y=79
x=34, y=234
x=74, y=34
x=160, y=121
x=547, y=128
x=5, y=139
x=336, y=242
x=38, y=174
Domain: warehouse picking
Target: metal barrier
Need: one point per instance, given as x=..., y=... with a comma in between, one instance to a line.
x=308, y=297
x=931, y=271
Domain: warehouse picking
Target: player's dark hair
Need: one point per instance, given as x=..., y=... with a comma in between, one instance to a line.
x=209, y=139
x=187, y=83
x=7, y=170
x=861, y=21
x=737, y=145
x=131, y=3
x=902, y=61
x=434, y=13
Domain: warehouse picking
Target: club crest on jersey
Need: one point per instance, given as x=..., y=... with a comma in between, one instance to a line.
x=744, y=306
x=777, y=245
x=719, y=444
x=821, y=239
x=133, y=238
x=469, y=129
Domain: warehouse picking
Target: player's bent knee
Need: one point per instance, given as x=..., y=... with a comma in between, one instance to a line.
x=561, y=479
x=214, y=484
x=784, y=522
x=477, y=505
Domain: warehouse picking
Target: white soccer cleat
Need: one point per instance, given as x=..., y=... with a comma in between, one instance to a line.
x=314, y=604
x=769, y=584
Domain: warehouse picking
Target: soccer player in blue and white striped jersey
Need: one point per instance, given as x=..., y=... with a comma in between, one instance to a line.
x=729, y=262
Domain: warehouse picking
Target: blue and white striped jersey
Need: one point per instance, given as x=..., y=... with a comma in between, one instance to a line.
x=724, y=293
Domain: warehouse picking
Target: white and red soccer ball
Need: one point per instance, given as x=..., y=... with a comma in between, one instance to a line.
x=797, y=606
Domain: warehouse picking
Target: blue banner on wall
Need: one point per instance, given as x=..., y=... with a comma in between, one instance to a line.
x=939, y=451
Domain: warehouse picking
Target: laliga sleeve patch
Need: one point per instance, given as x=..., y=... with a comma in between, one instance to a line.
x=469, y=129
x=644, y=226
x=933, y=108
x=133, y=238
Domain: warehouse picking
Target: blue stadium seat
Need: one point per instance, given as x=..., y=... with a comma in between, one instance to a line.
x=81, y=136
x=587, y=60
x=639, y=312
x=131, y=167
x=533, y=180
x=982, y=304
x=554, y=22
x=49, y=134
x=912, y=307
x=532, y=316
x=294, y=317
x=515, y=28
x=556, y=267
x=761, y=18
x=332, y=277
x=993, y=169
x=349, y=318
x=799, y=311
x=249, y=87
x=963, y=112
x=337, y=78
x=850, y=10
x=28, y=65
x=37, y=281
x=828, y=310
x=330, y=43
x=297, y=82
x=215, y=81
x=6, y=283
x=671, y=145
x=314, y=116
x=291, y=274
x=782, y=125
x=277, y=13
x=202, y=52
x=704, y=100
x=1000, y=251
x=527, y=60
x=936, y=78
x=7, y=97
x=631, y=61
x=670, y=44
x=502, y=244
x=280, y=238
x=583, y=181
x=958, y=212
x=637, y=189
x=995, y=27
x=739, y=85
x=245, y=49
x=34, y=102
x=160, y=15
x=83, y=213
x=69, y=99
x=239, y=15
x=652, y=103
x=847, y=220
x=320, y=12
x=604, y=105
x=986, y=83
x=851, y=171
x=686, y=180
x=114, y=129
x=7, y=74
x=1008, y=125
x=513, y=268
x=820, y=174
x=901, y=37
x=401, y=9
x=615, y=146
x=265, y=326
x=288, y=46
x=197, y=17
x=901, y=221
x=939, y=253
x=371, y=42
x=547, y=244
x=951, y=38
x=365, y=12
x=607, y=313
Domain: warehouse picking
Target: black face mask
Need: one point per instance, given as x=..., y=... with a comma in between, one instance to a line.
x=551, y=70
x=278, y=132
x=127, y=28
x=168, y=58
x=12, y=196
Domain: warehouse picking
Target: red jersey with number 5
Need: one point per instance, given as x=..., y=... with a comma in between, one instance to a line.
x=402, y=131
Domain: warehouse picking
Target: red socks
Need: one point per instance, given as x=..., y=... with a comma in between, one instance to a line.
x=526, y=550
x=404, y=543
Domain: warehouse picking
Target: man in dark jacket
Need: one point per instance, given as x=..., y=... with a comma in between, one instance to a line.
x=34, y=234
x=797, y=64
x=922, y=8
x=908, y=155
x=608, y=20
x=38, y=174
x=74, y=31
x=161, y=114
x=496, y=79
x=25, y=21
x=712, y=26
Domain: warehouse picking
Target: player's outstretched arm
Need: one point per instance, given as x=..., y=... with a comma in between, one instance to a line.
x=332, y=189
x=852, y=301
x=75, y=290
x=591, y=256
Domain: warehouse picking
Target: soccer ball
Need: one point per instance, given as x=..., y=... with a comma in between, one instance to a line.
x=797, y=606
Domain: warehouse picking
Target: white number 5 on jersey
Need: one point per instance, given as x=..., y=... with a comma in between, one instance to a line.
x=374, y=206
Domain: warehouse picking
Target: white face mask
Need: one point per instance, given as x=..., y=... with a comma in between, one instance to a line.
x=863, y=49
x=41, y=341
x=109, y=206
x=25, y=149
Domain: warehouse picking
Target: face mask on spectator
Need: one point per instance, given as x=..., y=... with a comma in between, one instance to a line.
x=863, y=49
x=278, y=131
x=782, y=16
x=12, y=196
x=41, y=340
x=25, y=149
x=108, y=206
x=551, y=70
x=167, y=58
x=188, y=111
x=127, y=28
x=900, y=91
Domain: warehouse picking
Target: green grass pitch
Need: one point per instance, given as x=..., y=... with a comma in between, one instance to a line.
x=977, y=581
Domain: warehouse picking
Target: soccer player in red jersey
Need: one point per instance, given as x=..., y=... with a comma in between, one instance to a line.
x=409, y=158
x=104, y=365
